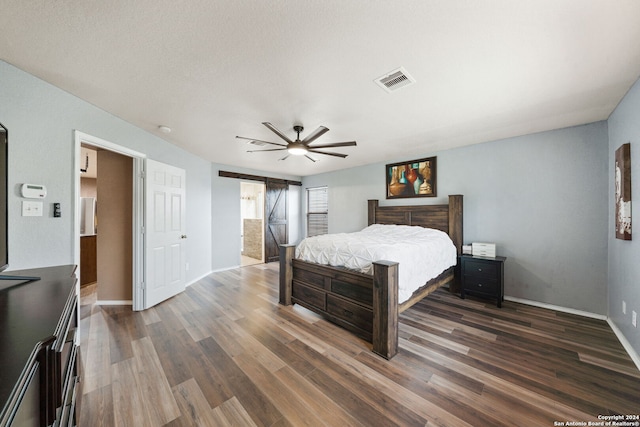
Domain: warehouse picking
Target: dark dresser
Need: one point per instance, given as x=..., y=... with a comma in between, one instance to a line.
x=482, y=276
x=39, y=358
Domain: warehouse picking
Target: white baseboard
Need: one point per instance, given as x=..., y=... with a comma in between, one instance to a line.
x=124, y=302
x=226, y=268
x=627, y=346
x=114, y=302
x=557, y=308
x=198, y=279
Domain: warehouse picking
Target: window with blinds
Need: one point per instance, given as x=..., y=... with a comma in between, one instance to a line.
x=317, y=211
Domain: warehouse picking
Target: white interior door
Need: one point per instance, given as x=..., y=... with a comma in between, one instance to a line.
x=165, y=236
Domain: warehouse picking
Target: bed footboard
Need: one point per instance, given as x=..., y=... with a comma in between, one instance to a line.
x=366, y=305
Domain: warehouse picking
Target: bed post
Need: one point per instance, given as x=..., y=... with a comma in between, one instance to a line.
x=455, y=221
x=372, y=206
x=286, y=273
x=385, y=308
x=455, y=232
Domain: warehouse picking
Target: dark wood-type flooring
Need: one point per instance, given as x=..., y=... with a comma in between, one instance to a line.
x=224, y=353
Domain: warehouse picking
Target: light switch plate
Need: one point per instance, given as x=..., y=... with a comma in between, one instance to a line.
x=30, y=208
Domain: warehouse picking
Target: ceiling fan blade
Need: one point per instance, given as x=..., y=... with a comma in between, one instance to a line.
x=335, y=144
x=268, y=149
x=277, y=132
x=285, y=157
x=260, y=142
x=327, y=153
x=315, y=135
x=310, y=158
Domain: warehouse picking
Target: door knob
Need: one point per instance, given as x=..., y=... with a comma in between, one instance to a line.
x=184, y=236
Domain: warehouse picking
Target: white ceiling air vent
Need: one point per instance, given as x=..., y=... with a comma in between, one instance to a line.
x=394, y=80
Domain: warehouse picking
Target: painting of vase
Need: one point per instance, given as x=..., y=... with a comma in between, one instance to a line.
x=416, y=178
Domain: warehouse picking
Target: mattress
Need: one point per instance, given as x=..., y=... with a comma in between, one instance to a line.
x=422, y=253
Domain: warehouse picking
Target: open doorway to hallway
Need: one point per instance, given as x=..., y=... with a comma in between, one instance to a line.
x=117, y=211
x=106, y=224
x=251, y=223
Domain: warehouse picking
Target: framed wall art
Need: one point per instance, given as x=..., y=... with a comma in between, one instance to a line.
x=416, y=178
x=623, y=192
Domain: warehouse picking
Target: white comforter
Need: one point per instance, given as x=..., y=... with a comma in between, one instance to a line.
x=423, y=253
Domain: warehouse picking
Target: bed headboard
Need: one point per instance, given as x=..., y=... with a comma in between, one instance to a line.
x=447, y=218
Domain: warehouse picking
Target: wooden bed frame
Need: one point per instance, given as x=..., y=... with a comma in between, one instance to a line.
x=368, y=305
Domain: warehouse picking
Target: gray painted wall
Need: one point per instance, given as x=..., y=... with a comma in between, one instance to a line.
x=41, y=119
x=624, y=268
x=541, y=198
x=225, y=214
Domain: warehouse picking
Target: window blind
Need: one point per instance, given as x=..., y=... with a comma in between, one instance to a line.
x=317, y=211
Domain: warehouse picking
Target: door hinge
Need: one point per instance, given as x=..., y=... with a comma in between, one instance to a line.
x=143, y=286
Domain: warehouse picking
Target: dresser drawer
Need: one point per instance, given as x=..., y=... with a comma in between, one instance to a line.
x=480, y=268
x=352, y=313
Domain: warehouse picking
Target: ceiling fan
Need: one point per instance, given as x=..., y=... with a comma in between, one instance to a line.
x=299, y=147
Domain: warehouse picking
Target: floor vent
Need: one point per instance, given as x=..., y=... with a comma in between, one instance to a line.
x=394, y=80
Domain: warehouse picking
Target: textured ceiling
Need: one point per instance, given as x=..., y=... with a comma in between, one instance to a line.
x=212, y=70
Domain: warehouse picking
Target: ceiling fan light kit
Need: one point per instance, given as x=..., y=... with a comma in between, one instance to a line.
x=299, y=147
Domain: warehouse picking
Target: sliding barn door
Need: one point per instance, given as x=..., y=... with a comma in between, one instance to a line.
x=276, y=219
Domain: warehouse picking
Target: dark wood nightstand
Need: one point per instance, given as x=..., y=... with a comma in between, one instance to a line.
x=482, y=276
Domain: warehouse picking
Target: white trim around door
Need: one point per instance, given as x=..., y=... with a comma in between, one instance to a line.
x=138, y=207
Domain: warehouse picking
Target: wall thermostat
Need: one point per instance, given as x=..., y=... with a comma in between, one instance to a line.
x=34, y=191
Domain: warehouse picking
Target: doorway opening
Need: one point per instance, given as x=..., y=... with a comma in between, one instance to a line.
x=109, y=201
x=251, y=223
x=107, y=255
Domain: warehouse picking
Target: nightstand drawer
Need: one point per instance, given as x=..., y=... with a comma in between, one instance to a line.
x=480, y=268
x=479, y=285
